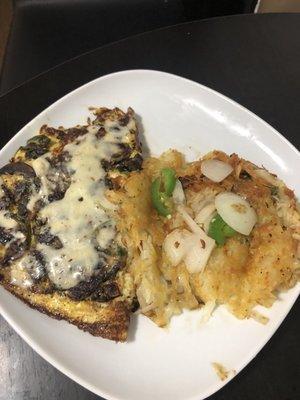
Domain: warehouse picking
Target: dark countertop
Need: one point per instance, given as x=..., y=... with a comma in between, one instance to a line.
x=253, y=59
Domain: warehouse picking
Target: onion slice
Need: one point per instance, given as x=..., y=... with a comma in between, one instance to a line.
x=175, y=245
x=189, y=221
x=215, y=170
x=194, y=248
x=205, y=215
x=236, y=212
x=178, y=193
x=198, y=253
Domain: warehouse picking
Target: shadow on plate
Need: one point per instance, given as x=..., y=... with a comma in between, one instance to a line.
x=145, y=147
x=132, y=328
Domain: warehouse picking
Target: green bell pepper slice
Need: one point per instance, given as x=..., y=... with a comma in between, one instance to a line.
x=168, y=180
x=161, y=191
x=219, y=230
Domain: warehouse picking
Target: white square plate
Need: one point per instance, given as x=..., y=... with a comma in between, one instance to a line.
x=155, y=363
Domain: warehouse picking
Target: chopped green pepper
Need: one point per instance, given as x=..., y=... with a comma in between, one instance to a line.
x=161, y=191
x=219, y=230
x=168, y=180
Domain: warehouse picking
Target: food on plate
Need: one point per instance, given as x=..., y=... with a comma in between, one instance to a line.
x=90, y=232
x=221, y=371
x=59, y=247
x=219, y=230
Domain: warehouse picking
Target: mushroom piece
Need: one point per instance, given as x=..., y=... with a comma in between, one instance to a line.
x=19, y=168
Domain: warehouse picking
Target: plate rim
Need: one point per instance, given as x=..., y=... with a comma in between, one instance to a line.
x=50, y=359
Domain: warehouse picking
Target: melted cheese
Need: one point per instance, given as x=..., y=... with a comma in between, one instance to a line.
x=12, y=226
x=77, y=218
x=82, y=219
x=6, y=222
x=117, y=133
x=1, y=190
x=106, y=235
x=19, y=273
x=41, y=167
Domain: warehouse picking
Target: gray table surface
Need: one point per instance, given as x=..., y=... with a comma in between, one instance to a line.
x=24, y=375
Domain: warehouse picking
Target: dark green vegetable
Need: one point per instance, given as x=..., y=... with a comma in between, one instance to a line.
x=219, y=230
x=160, y=200
x=274, y=190
x=40, y=140
x=168, y=178
x=37, y=146
x=161, y=191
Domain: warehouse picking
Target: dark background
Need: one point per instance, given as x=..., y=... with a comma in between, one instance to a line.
x=253, y=59
x=45, y=33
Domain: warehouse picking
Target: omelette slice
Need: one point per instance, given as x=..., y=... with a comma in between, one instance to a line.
x=60, y=250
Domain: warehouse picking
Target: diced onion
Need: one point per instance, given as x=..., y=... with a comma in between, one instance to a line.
x=178, y=193
x=205, y=215
x=189, y=220
x=236, y=212
x=175, y=245
x=182, y=245
x=198, y=253
x=194, y=248
x=202, y=199
x=215, y=170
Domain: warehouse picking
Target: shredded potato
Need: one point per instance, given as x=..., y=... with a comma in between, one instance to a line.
x=221, y=371
x=246, y=271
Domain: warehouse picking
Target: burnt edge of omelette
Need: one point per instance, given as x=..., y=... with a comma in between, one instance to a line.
x=60, y=251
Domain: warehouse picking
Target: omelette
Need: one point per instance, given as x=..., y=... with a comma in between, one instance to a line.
x=60, y=251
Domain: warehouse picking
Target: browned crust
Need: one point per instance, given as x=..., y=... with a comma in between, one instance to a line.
x=113, y=319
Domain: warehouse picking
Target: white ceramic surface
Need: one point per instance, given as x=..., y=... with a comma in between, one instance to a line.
x=173, y=363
